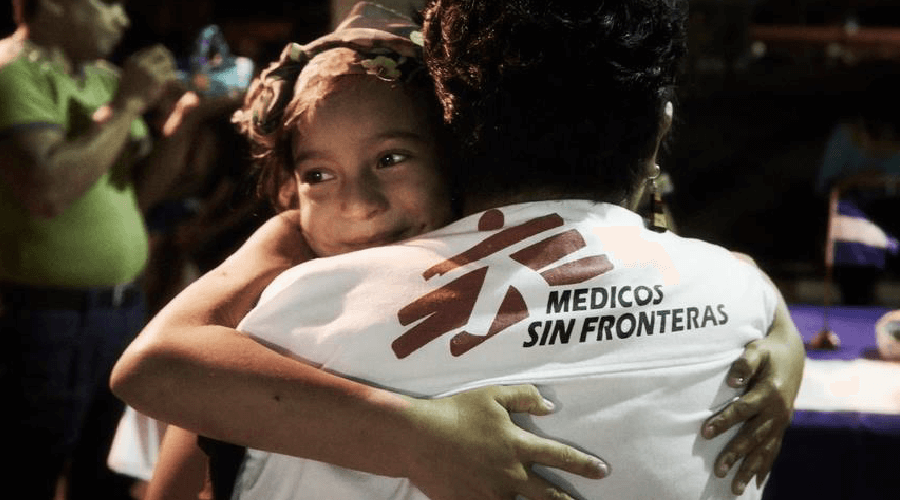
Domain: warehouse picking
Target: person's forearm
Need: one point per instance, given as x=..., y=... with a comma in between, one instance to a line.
x=785, y=331
x=226, y=382
x=180, y=472
x=171, y=170
x=467, y=448
x=156, y=176
x=247, y=383
x=216, y=381
x=55, y=171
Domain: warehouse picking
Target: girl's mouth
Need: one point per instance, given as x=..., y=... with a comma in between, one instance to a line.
x=378, y=239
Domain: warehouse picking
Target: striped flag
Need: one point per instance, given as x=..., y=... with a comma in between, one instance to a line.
x=854, y=240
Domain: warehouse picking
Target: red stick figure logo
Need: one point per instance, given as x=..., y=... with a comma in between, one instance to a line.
x=449, y=307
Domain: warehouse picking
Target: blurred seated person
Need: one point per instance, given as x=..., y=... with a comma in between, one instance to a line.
x=862, y=162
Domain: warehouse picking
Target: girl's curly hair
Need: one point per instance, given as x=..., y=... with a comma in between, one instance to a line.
x=273, y=106
x=260, y=121
x=558, y=95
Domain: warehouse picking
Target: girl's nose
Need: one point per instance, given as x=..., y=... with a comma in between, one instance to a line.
x=364, y=197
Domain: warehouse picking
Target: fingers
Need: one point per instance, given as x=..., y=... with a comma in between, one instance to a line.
x=771, y=452
x=538, y=488
x=758, y=464
x=156, y=60
x=746, y=366
x=758, y=440
x=158, y=54
x=523, y=398
x=145, y=75
x=563, y=457
x=745, y=473
x=748, y=440
x=739, y=410
x=185, y=104
x=526, y=398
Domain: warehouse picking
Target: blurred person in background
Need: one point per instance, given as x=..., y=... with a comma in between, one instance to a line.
x=862, y=163
x=78, y=170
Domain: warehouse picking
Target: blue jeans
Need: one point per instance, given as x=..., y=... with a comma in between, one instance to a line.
x=54, y=377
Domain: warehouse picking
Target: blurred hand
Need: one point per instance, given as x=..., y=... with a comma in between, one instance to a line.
x=144, y=77
x=190, y=109
x=483, y=454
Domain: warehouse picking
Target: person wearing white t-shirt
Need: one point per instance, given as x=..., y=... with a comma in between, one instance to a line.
x=625, y=329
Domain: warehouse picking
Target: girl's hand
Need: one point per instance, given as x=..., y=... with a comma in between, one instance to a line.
x=772, y=369
x=483, y=453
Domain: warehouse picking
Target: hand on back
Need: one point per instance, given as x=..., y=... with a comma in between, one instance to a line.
x=771, y=370
x=483, y=454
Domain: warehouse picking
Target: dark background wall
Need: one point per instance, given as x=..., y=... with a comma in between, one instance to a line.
x=752, y=119
x=755, y=116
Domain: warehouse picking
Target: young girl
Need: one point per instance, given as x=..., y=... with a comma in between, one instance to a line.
x=350, y=197
x=346, y=132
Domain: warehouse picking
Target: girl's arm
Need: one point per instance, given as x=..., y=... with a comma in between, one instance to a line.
x=181, y=470
x=771, y=368
x=191, y=368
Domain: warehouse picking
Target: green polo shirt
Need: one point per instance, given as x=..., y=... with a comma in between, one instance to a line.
x=100, y=240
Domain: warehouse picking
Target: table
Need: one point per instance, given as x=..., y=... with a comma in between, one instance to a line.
x=844, y=440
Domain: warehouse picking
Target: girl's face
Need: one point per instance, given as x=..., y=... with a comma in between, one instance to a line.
x=366, y=168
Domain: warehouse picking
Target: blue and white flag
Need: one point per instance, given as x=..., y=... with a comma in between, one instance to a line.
x=854, y=240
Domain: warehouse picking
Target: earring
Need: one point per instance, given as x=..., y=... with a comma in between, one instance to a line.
x=658, y=220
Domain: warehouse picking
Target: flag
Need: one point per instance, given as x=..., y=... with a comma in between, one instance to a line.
x=853, y=239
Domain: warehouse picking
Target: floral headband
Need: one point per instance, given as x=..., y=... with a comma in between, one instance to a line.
x=372, y=40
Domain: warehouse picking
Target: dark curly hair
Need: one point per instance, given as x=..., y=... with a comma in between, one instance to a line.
x=558, y=96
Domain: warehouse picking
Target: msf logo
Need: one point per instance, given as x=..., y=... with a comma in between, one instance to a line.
x=449, y=308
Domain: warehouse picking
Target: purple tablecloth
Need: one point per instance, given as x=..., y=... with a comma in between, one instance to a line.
x=838, y=455
x=855, y=326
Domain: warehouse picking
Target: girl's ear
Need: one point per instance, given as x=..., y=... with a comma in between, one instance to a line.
x=288, y=196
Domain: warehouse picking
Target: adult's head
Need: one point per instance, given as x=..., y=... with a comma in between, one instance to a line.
x=84, y=30
x=347, y=129
x=555, y=98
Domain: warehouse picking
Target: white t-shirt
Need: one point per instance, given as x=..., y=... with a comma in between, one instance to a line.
x=630, y=332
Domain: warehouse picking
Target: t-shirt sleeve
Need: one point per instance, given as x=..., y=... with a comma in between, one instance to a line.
x=27, y=99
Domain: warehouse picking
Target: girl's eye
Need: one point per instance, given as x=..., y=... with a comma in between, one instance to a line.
x=315, y=176
x=391, y=159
